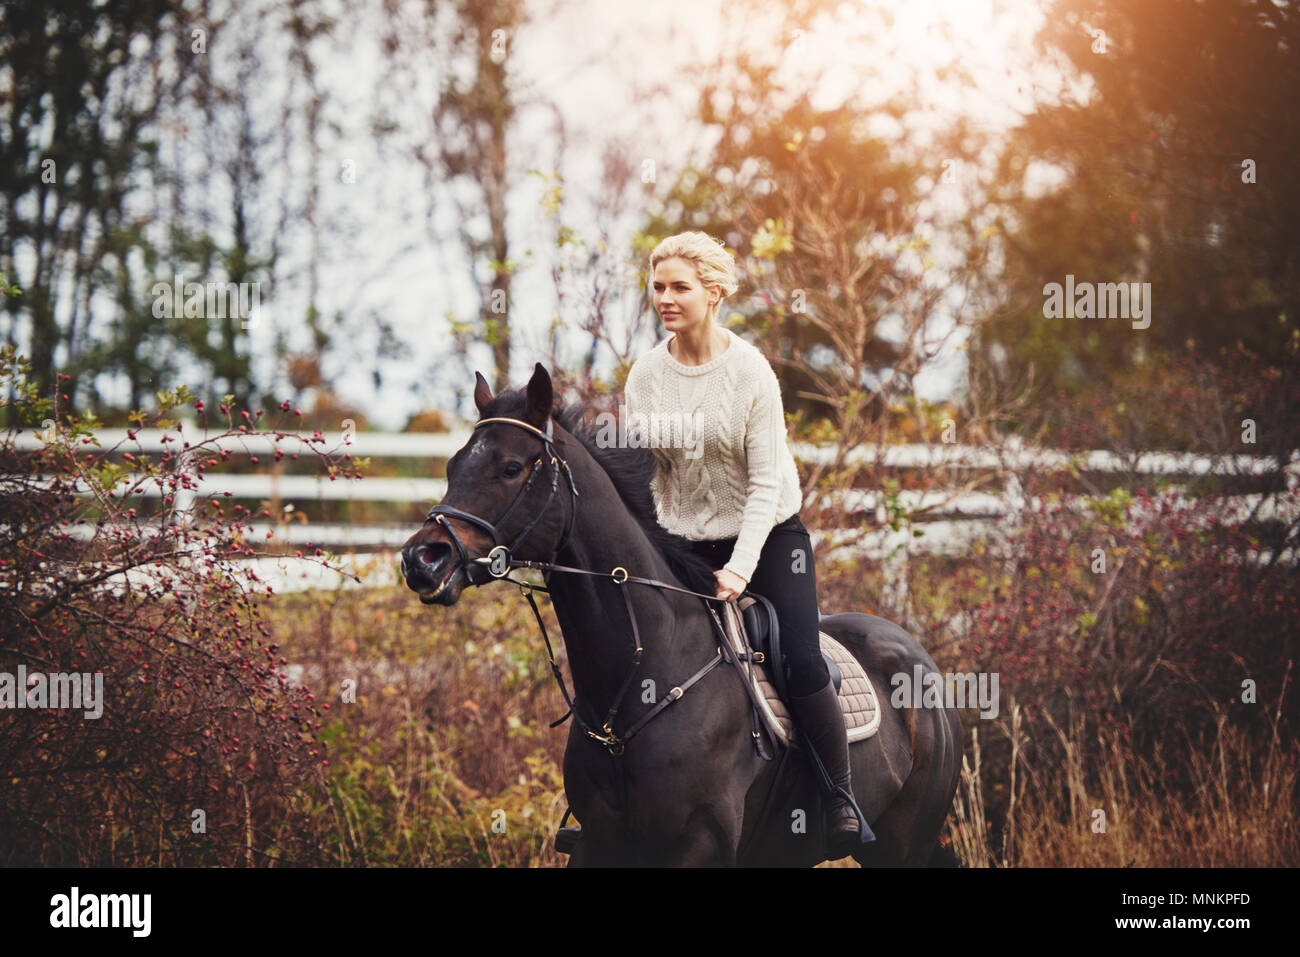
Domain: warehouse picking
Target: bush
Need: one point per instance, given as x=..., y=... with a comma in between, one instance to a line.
x=204, y=749
x=1146, y=643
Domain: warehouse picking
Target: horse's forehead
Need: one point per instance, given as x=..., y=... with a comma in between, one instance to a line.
x=482, y=446
x=477, y=449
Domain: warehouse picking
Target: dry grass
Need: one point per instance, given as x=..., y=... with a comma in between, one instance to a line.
x=450, y=726
x=1118, y=810
x=444, y=758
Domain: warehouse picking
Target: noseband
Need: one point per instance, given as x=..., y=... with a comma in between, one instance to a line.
x=500, y=559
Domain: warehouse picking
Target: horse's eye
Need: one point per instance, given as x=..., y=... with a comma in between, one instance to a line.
x=512, y=469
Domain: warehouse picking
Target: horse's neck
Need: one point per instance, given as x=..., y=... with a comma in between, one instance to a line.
x=593, y=612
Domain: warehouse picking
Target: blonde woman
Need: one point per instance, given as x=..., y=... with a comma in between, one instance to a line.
x=732, y=489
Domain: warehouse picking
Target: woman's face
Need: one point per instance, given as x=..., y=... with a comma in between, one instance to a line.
x=679, y=298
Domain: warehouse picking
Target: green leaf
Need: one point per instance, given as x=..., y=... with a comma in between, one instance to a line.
x=110, y=475
x=771, y=239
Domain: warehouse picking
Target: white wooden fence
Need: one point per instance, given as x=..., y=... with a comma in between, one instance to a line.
x=949, y=522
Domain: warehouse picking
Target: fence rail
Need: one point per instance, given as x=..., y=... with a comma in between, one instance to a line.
x=949, y=521
x=441, y=445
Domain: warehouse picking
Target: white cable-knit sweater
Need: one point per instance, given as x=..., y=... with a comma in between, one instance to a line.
x=718, y=434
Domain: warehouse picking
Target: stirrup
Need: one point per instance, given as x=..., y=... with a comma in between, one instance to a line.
x=567, y=838
x=842, y=841
x=862, y=834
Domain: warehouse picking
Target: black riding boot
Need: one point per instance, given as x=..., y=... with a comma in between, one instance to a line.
x=821, y=723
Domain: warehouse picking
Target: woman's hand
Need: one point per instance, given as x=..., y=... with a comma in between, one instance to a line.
x=730, y=585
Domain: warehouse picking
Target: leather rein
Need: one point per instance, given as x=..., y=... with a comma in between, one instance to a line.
x=499, y=562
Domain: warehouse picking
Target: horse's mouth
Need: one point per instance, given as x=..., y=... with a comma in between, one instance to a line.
x=442, y=593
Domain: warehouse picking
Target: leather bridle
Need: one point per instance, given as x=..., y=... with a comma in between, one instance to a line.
x=499, y=559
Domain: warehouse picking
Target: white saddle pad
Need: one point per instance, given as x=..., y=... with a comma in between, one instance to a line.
x=857, y=694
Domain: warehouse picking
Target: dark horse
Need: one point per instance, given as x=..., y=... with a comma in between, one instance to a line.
x=690, y=788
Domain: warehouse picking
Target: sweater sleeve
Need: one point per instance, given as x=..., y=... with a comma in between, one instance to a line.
x=765, y=433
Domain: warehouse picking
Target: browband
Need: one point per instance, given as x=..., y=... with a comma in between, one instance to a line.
x=547, y=435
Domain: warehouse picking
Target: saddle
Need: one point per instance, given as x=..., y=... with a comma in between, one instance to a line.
x=751, y=626
x=764, y=633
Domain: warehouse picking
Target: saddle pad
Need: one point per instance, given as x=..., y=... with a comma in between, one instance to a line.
x=857, y=694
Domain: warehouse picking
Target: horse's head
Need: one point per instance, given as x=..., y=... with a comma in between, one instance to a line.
x=506, y=492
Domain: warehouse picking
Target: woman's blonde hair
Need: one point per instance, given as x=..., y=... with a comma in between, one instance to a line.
x=713, y=264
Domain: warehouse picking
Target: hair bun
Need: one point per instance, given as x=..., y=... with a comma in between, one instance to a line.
x=715, y=264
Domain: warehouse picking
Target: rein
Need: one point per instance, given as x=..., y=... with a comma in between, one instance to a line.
x=500, y=562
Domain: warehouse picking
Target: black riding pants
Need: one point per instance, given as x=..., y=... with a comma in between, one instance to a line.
x=787, y=577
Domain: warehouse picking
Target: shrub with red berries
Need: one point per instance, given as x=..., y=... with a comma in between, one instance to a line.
x=198, y=713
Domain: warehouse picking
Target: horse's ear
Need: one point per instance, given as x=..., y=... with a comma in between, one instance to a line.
x=482, y=394
x=541, y=395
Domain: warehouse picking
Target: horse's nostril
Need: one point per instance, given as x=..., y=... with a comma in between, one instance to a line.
x=432, y=553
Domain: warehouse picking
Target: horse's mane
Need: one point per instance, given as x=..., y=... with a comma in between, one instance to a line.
x=630, y=469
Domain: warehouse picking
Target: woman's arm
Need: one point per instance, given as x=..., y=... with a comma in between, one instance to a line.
x=765, y=437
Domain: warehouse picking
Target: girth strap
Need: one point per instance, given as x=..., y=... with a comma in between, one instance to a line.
x=756, y=726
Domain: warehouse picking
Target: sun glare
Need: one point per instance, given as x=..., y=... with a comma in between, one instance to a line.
x=973, y=57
